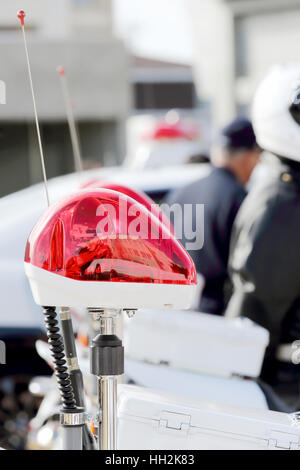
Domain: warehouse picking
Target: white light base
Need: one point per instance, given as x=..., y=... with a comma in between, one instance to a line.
x=49, y=289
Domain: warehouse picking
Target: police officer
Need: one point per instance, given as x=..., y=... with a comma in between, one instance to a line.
x=221, y=191
x=265, y=249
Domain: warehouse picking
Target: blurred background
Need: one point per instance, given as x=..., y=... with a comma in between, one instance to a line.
x=128, y=63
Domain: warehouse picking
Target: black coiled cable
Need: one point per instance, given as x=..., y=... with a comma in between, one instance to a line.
x=58, y=354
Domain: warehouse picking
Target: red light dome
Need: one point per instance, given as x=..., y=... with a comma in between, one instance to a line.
x=138, y=196
x=106, y=239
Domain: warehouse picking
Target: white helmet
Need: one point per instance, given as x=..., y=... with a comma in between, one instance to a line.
x=276, y=112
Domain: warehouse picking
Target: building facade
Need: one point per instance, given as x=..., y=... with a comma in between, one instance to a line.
x=236, y=42
x=77, y=34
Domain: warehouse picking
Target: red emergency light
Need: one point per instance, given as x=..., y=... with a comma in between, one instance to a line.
x=138, y=196
x=100, y=248
x=164, y=130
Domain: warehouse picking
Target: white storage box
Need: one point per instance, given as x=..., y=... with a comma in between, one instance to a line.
x=233, y=390
x=156, y=420
x=197, y=342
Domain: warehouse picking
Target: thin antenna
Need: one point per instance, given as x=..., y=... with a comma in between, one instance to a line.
x=21, y=15
x=71, y=120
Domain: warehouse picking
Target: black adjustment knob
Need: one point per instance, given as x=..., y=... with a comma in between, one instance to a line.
x=107, y=355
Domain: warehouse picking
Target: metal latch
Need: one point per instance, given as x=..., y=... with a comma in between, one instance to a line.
x=175, y=421
x=282, y=440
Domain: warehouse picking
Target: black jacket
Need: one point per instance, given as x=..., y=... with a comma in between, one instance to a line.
x=222, y=195
x=264, y=261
